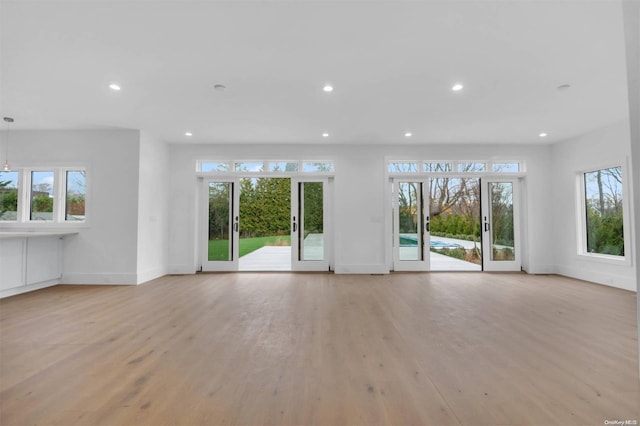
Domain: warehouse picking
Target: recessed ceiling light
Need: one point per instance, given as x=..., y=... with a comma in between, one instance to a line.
x=328, y=88
x=408, y=134
x=543, y=135
x=114, y=86
x=457, y=87
x=188, y=134
x=219, y=87
x=325, y=135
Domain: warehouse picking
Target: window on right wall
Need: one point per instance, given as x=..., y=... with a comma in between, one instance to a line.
x=603, y=212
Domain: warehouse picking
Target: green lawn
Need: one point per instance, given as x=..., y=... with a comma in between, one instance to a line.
x=219, y=249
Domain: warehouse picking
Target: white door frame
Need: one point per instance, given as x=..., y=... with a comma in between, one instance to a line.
x=488, y=264
x=234, y=210
x=423, y=263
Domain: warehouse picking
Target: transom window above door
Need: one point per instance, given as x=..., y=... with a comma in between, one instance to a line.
x=270, y=166
x=475, y=167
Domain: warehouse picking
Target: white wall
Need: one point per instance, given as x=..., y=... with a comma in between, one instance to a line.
x=105, y=249
x=631, y=19
x=152, y=209
x=361, y=210
x=142, y=213
x=605, y=147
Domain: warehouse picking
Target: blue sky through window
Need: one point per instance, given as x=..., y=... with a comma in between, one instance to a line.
x=11, y=177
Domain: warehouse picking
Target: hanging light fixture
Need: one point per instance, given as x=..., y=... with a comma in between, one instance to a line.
x=6, y=166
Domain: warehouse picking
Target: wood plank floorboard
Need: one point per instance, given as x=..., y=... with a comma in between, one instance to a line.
x=323, y=349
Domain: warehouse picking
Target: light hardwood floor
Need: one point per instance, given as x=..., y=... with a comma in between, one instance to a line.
x=285, y=348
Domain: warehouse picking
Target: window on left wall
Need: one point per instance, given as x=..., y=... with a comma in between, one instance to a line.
x=53, y=195
x=9, y=196
x=75, y=195
x=41, y=195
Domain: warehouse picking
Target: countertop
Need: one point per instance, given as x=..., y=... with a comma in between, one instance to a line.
x=34, y=234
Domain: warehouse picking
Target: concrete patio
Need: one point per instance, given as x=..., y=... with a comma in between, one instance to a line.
x=278, y=258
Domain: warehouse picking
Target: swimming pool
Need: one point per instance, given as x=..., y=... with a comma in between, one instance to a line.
x=411, y=240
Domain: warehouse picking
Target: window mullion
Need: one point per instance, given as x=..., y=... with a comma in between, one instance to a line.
x=59, y=199
x=25, y=196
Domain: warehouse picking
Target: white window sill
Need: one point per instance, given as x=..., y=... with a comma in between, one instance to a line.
x=604, y=258
x=39, y=226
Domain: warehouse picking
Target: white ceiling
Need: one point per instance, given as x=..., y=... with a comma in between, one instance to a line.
x=392, y=64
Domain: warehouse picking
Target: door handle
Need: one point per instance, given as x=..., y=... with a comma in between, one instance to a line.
x=486, y=227
x=427, y=226
x=295, y=225
x=235, y=226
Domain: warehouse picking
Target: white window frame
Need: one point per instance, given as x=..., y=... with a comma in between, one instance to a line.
x=581, y=222
x=326, y=177
x=421, y=174
x=26, y=207
x=23, y=216
x=231, y=168
x=454, y=167
x=63, y=194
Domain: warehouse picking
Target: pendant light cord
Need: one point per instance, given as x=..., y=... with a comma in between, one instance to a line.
x=6, y=167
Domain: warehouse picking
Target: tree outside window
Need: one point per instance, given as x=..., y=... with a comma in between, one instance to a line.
x=42, y=184
x=604, y=211
x=8, y=196
x=75, y=196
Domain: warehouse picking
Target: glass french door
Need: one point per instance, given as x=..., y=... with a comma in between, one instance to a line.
x=410, y=225
x=500, y=225
x=309, y=224
x=455, y=231
x=221, y=225
x=265, y=226
x=455, y=223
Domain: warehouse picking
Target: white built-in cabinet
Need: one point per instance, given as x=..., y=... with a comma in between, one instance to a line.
x=29, y=261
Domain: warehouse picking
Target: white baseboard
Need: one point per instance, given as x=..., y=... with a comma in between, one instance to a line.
x=151, y=274
x=99, y=279
x=181, y=270
x=611, y=280
x=26, y=288
x=111, y=279
x=362, y=269
x=541, y=269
